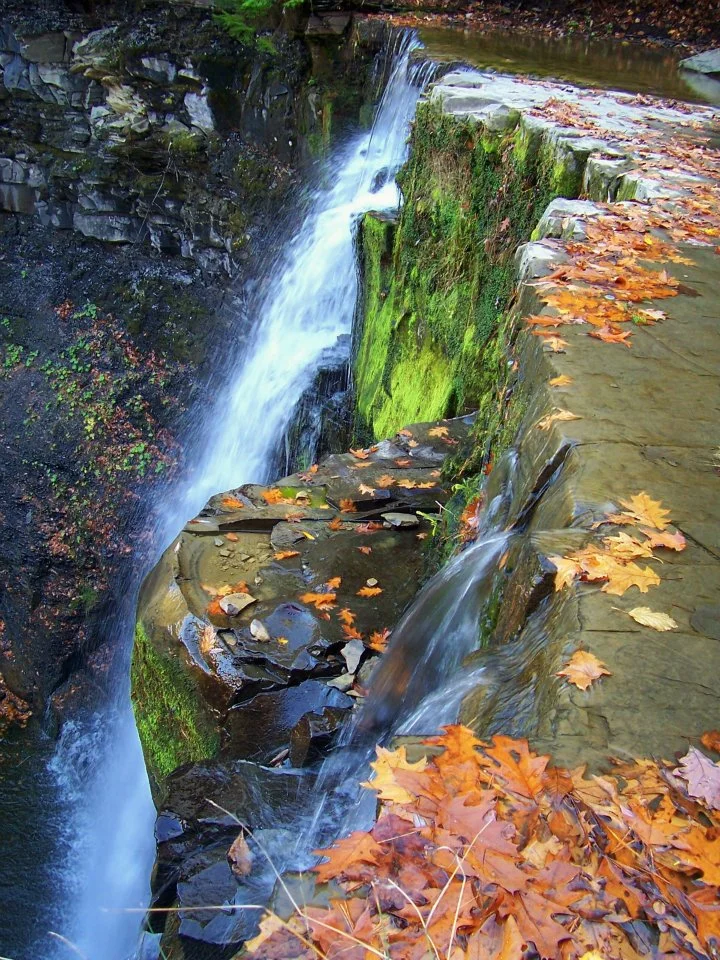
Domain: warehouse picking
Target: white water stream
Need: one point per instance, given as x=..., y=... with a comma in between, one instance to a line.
x=306, y=302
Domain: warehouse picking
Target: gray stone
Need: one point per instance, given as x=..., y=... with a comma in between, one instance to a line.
x=707, y=62
x=17, y=198
x=235, y=603
x=109, y=227
x=45, y=48
x=401, y=521
x=156, y=69
x=199, y=111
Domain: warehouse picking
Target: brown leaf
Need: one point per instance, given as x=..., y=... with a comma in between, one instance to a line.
x=671, y=541
x=711, y=740
x=347, y=505
x=359, y=846
x=612, y=334
x=352, y=633
x=240, y=857
x=643, y=510
x=274, y=496
x=561, y=381
x=583, y=669
x=335, y=524
x=232, y=503
x=360, y=454
x=385, y=480
x=366, y=550
x=551, y=418
x=378, y=640
x=366, y=490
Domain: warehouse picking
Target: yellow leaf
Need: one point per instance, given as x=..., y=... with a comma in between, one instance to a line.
x=642, y=509
x=388, y=761
x=561, y=381
x=651, y=618
x=551, y=418
x=630, y=575
x=438, y=432
x=582, y=669
x=625, y=547
x=567, y=570
x=671, y=541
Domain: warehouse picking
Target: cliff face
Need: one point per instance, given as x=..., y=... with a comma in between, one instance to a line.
x=145, y=159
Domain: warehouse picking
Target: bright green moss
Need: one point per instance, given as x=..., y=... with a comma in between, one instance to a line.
x=173, y=725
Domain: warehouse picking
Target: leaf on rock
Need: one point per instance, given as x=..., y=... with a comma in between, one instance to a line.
x=567, y=570
x=366, y=550
x=346, y=616
x=625, y=547
x=612, y=334
x=670, y=541
x=273, y=495
x=644, y=510
x=651, y=618
x=703, y=780
x=333, y=583
x=630, y=575
x=385, y=766
x=358, y=847
x=347, y=505
x=286, y=554
x=360, y=454
x=378, y=640
x=385, y=480
x=582, y=669
x=366, y=490
x=438, y=432
x=556, y=344
x=335, y=524
x=352, y=633
x=552, y=418
x=562, y=381
x=240, y=857
x=232, y=503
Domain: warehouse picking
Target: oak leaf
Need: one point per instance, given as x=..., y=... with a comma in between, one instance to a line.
x=699, y=851
x=335, y=524
x=366, y=550
x=611, y=334
x=703, y=779
x=352, y=633
x=653, y=619
x=286, y=554
x=385, y=765
x=671, y=541
x=643, y=510
x=711, y=740
x=347, y=505
x=323, y=601
x=438, y=431
x=630, y=575
x=567, y=570
x=378, y=640
x=346, y=616
x=562, y=381
x=333, y=583
x=369, y=591
x=358, y=847
x=583, y=669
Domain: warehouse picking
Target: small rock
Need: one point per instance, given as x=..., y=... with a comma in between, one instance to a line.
x=225, y=553
x=342, y=683
x=352, y=652
x=219, y=542
x=400, y=521
x=372, y=582
x=233, y=604
x=259, y=631
x=258, y=580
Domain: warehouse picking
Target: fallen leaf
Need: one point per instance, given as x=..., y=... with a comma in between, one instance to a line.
x=352, y=633
x=711, y=740
x=366, y=490
x=335, y=524
x=274, y=496
x=366, y=550
x=360, y=454
x=286, y=554
x=625, y=547
x=370, y=527
x=369, y=591
x=347, y=505
x=630, y=575
x=403, y=462
x=333, y=583
x=671, y=541
x=567, y=570
x=551, y=418
x=611, y=334
x=642, y=509
x=378, y=640
x=347, y=616
x=561, y=381
x=385, y=480
x=232, y=503
x=650, y=618
x=323, y=601
x=385, y=765
x=556, y=344
x=582, y=669
x=703, y=779
x=240, y=857
x=438, y=432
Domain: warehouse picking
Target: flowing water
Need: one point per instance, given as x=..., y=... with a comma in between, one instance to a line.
x=101, y=810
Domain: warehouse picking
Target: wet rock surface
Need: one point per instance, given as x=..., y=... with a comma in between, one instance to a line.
x=327, y=573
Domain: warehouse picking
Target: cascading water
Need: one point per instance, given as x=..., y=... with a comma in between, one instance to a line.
x=307, y=301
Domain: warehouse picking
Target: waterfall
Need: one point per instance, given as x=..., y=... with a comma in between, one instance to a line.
x=304, y=302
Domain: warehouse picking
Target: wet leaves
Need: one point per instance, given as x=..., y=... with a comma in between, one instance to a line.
x=483, y=851
x=321, y=601
x=286, y=554
x=583, y=669
x=369, y=591
x=232, y=503
x=702, y=776
x=558, y=416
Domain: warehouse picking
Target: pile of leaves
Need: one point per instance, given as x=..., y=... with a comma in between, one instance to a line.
x=486, y=851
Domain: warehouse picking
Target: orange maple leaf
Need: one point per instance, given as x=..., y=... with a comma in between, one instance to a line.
x=232, y=503
x=333, y=583
x=378, y=640
x=369, y=591
x=323, y=601
x=274, y=496
x=347, y=505
x=347, y=616
x=352, y=633
x=286, y=554
x=360, y=454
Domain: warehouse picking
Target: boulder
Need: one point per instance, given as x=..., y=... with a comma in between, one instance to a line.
x=707, y=62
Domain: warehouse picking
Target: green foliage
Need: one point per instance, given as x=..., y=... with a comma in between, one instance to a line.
x=241, y=18
x=173, y=724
